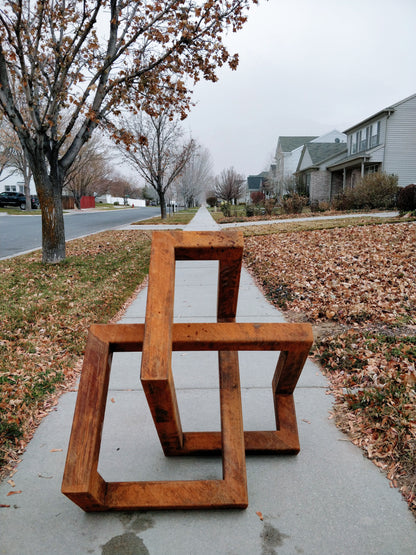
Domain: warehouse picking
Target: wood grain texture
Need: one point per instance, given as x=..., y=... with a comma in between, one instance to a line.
x=83, y=484
x=156, y=370
x=157, y=338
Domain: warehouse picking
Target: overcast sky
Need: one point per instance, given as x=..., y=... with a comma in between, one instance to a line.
x=306, y=67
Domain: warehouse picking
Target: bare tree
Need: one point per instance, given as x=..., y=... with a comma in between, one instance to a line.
x=155, y=150
x=229, y=185
x=118, y=186
x=89, y=169
x=196, y=178
x=80, y=62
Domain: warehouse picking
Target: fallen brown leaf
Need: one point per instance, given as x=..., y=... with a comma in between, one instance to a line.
x=356, y=286
x=14, y=492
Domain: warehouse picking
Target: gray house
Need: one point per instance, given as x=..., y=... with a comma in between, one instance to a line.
x=386, y=141
x=312, y=167
x=288, y=151
x=258, y=183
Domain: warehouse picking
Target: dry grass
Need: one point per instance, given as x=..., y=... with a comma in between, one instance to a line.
x=44, y=318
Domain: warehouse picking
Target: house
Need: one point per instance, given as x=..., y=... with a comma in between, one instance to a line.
x=12, y=182
x=109, y=199
x=289, y=150
x=287, y=156
x=385, y=141
x=312, y=170
x=257, y=183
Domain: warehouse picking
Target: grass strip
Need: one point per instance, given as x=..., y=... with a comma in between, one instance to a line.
x=45, y=314
x=176, y=218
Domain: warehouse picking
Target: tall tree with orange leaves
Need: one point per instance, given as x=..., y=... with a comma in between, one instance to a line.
x=67, y=66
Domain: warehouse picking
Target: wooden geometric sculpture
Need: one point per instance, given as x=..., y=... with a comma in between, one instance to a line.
x=157, y=338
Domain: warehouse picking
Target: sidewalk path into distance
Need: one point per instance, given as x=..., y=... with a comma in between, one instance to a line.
x=328, y=500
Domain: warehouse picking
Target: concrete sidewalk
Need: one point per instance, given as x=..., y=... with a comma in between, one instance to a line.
x=327, y=500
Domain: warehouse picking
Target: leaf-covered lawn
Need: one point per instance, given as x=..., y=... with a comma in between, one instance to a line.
x=45, y=314
x=358, y=284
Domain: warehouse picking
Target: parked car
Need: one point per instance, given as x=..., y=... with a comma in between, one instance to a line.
x=17, y=199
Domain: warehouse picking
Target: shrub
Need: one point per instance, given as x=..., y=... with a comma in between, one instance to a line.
x=257, y=197
x=226, y=209
x=212, y=201
x=322, y=206
x=342, y=202
x=249, y=211
x=269, y=206
x=406, y=200
x=293, y=203
x=374, y=190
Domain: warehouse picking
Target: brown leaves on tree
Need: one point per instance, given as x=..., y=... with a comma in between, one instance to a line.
x=360, y=283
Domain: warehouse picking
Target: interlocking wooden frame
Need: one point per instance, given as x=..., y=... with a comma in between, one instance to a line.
x=294, y=342
x=86, y=487
x=156, y=339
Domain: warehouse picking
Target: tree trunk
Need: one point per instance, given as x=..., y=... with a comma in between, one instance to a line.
x=162, y=199
x=53, y=231
x=26, y=178
x=28, y=198
x=77, y=200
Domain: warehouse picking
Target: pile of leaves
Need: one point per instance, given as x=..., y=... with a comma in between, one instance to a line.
x=357, y=286
x=45, y=314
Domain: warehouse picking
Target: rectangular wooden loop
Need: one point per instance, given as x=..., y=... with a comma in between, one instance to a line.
x=167, y=247
x=86, y=487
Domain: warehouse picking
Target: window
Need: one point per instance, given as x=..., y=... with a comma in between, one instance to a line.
x=375, y=134
x=354, y=143
x=363, y=139
x=10, y=189
x=371, y=169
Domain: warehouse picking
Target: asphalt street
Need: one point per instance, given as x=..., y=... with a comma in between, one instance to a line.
x=20, y=234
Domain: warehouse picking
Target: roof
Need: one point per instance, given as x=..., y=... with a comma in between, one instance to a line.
x=386, y=111
x=319, y=152
x=349, y=161
x=287, y=144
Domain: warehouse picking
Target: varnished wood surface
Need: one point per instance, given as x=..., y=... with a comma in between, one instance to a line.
x=157, y=338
